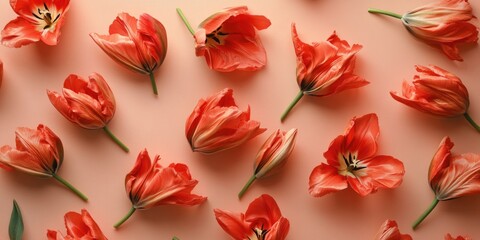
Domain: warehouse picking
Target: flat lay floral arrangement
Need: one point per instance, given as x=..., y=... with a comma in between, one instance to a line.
x=253, y=120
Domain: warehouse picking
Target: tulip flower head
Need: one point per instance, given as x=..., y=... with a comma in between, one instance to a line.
x=449, y=237
x=389, y=231
x=324, y=68
x=137, y=44
x=218, y=124
x=79, y=226
x=149, y=184
x=88, y=103
x=229, y=40
x=436, y=91
x=443, y=24
x=36, y=21
x=352, y=161
x=263, y=220
x=272, y=155
x=38, y=152
x=451, y=176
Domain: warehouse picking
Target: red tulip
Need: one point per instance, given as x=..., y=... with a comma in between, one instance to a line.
x=149, y=184
x=229, y=41
x=436, y=91
x=79, y=226
x=262, y=220
x=218, y=124
x=88, y=103
x=140, y=45
x=38, y=152
x=324, y=68
x=452, y=176
x=443, y=24
x=449, y=237
x=351, y=160
x=389, y=231
x=272, y=155
x=36, y=21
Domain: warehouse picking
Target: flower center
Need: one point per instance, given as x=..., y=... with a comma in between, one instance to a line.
x=259, y=234
x=47, y=19
x=350, y=165
x=216, y=37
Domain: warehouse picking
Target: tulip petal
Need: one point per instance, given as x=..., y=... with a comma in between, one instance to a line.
x=54, y=235
x=263, y=211
x=361, y=136
x=20, y=160
x=20, y=32
x=440, y=160
x=279, y=230
x=325, y=179
x=389, y=231
x=136, y=178
x=232, y=223
x=82, y=225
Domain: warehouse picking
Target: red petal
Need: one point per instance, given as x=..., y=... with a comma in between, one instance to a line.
x=325, y=179
x=233, y=223
x=361, y=136
x=389, y=231
x=440, y=160
x=263, y=212
x=279, y=230
x=20, y=32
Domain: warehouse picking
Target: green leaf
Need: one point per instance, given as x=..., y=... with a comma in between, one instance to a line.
x=15, y=229
x=175, y=238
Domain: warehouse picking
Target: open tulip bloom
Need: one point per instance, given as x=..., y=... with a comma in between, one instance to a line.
x=150, y=184
x=443, y=24
x=438, y=92
x=89, y=104
x=137, y=44
x=229, y=41
x=38, y=152
x=389, y=231
x=79, y=226
x=451, y=176
x=263, y=220
x=324, y=68
x=352, y=160
x=37, y=21
x=272, y=155
x=217, y=124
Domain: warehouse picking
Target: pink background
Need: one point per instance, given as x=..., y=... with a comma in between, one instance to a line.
x=95, y=165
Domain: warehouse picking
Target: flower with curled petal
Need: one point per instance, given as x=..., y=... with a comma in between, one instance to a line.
x=451, y=176
x=79, y=226
x=228, y=40
x=352, y=160
x=389, y=231
x=149, y=184
x=263, y=220
x=137, y=44
x=38, y=152
x=443, y=24
x=324, y=68
x=38, y=20
x=217, y=124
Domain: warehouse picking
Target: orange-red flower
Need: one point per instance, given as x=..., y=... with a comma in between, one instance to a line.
x=449, y=237
x=138, y=44
x=79, y=226
x=351, y=160
x=38, y=152
x=87, y=103
x=37, y=21
x=389, y=231
x=324, y=68
x=263, y=220
x=149, y=184
x=229, y=40
x=218, y=124
x=272, y=155
x=443, y=24
x=452, y=176
x=436, y=91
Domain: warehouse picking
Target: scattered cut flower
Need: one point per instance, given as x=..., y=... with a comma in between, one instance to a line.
x=79, y=226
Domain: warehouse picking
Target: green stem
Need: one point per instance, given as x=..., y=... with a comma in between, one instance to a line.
x=115, y=139
x=292, y=104
x=184, y=19
x=125, y=218
x=247, y=185
x=470, y=120
x=68, y=185
x=391, y=14
x=425, y=214
x=154, y=85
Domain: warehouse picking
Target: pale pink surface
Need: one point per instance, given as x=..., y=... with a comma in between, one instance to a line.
x=98, y=167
